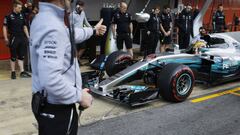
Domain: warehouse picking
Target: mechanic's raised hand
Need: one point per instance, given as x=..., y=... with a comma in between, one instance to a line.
x=100, y=29
x=87, y=99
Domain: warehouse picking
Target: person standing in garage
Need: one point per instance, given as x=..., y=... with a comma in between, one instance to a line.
x=123, y=28
x=79, y=19
x=185, y=26
x=15, y=26
x=218, y=19
x=27, y=11
x=153, y=30
x=166, y=28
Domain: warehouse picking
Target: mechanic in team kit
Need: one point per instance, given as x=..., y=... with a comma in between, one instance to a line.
x=153, y=30
x=185, y=26
x=56, y=77
x=15, y=26
x=218, y=19
x=123, y=28
x=166, y=28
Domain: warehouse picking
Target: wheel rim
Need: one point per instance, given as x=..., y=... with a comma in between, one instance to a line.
x=184, y=84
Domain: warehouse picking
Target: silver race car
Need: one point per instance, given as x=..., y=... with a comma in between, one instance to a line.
x=170, y=75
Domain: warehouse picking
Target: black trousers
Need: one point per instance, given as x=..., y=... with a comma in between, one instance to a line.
x=58, y=120
x=18, y=47
x=219, y=28
x=154, y=37
x=184, y=39
x=124, y=37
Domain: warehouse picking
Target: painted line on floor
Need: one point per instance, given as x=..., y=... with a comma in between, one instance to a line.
x=236, y=94
x=204, y=98
x=4, y=77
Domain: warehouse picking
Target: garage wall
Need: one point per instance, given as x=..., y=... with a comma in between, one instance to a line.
x=92, y=7
x=5, y=8
x=231, y=7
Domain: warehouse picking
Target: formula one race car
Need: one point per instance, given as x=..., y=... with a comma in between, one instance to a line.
x=171, y=75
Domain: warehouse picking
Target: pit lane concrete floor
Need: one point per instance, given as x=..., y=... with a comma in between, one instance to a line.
x=16, y=117
x=216, y=116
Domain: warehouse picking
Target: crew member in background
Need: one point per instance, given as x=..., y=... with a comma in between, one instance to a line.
x=166, y=28
x=33, y=14
x=196, y=11
x=218, y=20
x=185, y=26
x=27, y=11
x=15, y=26
x=78, y=18
x=153, y=31
x=123, y=28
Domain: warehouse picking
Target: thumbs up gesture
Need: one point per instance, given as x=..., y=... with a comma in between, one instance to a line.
x=100, y=29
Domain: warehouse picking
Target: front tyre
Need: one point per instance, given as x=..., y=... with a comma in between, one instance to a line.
x=117, y=61
x=175, y=82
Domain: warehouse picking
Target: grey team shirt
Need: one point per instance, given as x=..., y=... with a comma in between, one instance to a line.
x=79, y=20
x=50, y=51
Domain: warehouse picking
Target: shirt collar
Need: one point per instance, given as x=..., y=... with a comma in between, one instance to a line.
x=48, y=7
x=122, y=13
x=14, y=13
x=77, y=12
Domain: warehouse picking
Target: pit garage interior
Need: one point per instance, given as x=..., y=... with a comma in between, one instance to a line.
x=15, y=95
x=92, y=8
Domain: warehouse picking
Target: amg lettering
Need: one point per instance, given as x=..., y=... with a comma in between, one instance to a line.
x=49, y=52
x=50, y=47
x=50, y=42
x=52, y=57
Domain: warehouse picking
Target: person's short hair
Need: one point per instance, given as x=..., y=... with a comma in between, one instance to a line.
x=201, y=29
x=123, y=1
x=17, y=2
x=157, y=7
x=166, y=6
x=188, y=4
x=220, y=5
x=79, y=2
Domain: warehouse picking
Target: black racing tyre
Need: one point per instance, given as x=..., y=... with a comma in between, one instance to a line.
x=175, y=82
x=117, y=61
